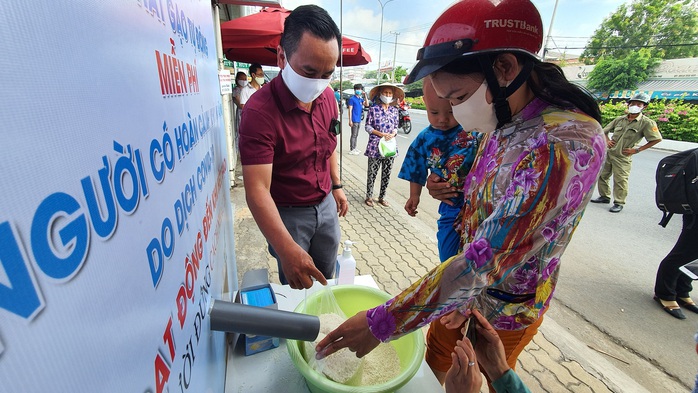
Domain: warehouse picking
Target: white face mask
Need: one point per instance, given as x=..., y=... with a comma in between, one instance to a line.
x=634, y=109
x=259, y=80
x=475, y=113
x=305, y=89
x=386, y=99
x=242, y=82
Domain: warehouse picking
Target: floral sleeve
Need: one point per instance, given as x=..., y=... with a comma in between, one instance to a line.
x=370, y=120
x=523, y=202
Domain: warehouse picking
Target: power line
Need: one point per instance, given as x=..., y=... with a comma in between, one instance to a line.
x=415, y=28
x=387, y=42
x=626, y=46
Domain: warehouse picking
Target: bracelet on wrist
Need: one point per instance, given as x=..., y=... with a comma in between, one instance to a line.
x=337, y=186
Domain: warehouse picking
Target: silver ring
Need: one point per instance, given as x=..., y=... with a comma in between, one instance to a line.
x=470, y=364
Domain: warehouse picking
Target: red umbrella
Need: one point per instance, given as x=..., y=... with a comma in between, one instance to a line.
x=353, y=53
x=254, y=38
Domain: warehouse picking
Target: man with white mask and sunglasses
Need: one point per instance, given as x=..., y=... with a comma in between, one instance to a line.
x=288, y=136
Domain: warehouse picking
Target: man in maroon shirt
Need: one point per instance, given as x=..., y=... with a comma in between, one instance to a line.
x=287, y=148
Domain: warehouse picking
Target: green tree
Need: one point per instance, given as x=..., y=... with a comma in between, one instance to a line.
x=668, y=28
x=346, y=84
x=400, y=73
x=622, y=74
x=370, y=74
x=415, y=86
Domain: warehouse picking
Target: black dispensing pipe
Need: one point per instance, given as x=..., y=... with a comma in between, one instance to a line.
x=260, y=321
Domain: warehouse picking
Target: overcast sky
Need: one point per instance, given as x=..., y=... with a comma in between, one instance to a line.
x=575, y=21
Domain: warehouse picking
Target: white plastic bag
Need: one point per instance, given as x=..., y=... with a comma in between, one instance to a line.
x=387, y=148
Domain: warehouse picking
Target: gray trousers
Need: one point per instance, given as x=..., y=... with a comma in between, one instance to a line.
x=619, y=167
x=316, y=230
x=354, y=135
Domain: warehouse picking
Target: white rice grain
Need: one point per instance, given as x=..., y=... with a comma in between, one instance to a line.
x=379, y=366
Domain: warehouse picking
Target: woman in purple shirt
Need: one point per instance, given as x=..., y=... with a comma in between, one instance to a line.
x=381, y=122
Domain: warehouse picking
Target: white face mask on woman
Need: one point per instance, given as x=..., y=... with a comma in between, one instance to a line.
x=386, y=99
x=305, y=89
x=475, y=114
x=242, y=82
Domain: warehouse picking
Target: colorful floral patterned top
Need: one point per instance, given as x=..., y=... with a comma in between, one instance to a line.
x=524, y=197
x=449, y=154
x=383, y=120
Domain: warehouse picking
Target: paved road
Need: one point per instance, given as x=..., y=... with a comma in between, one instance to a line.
x=604, y=296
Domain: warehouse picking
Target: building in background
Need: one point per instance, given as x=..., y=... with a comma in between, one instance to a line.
x=672, y=79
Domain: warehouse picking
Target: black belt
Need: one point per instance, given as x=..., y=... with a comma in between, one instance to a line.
x=510, y=297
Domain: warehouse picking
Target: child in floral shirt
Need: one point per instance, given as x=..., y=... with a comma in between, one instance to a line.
x=446, y=149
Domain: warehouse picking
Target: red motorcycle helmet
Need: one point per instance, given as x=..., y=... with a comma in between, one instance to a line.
x=472, y=27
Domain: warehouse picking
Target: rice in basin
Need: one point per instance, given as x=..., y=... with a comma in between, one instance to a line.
x=379, y=366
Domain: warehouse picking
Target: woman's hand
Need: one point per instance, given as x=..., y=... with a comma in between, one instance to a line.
x=353, y=334
x=464, y=375
x=440, y=189
x=489, y=348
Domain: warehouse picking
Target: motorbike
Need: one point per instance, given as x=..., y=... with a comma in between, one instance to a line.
x=404, y=120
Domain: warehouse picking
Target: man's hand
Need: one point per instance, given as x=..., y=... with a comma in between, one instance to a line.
x=298, y=268
x=629, y=151
x=440, y=189
x=297, y=265
x=350, y=123
x=341, y=200
x=353, y=334
x=610, y=143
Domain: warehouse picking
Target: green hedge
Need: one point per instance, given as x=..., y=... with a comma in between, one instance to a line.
x=416, y=102
x=677, y=120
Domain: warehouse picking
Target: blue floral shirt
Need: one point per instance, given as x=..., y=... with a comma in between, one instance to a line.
x=383, y=120
x=449, y=154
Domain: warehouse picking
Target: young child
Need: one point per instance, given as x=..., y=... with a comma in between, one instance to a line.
x=445, y=149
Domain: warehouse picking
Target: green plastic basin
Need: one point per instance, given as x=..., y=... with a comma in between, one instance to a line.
x=352, y=299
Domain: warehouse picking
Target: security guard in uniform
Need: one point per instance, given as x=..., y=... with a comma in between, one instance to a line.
x=627, y=131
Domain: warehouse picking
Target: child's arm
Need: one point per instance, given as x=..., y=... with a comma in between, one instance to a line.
x=453, y=320
x=413, y=202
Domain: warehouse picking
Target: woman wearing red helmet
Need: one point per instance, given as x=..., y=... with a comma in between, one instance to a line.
x=534, y=173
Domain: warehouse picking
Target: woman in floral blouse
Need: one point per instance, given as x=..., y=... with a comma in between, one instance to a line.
x=381, y=122
x=533, y=175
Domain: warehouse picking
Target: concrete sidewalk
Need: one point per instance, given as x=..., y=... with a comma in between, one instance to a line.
x=397, y=250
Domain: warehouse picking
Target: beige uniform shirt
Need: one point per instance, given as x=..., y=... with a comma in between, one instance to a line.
x=627, y=133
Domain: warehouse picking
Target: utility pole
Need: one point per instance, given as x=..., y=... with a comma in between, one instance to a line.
x=550, y=30
x=392, y=78
x=380, y=43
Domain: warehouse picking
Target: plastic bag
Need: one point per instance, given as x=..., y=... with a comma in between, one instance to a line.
x=387, y=148
x=325, y=304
